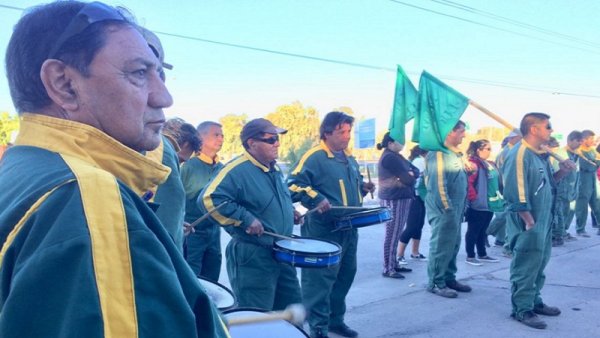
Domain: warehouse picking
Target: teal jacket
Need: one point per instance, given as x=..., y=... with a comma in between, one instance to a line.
x=82, y=254
x=446, y=182
x=528, y=182
x=250, y=191
x=170, y=196
x=318, y=175
x=568, y=186
x=195, y=175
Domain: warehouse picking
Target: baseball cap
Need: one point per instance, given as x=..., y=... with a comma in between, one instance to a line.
x=260, y=126
x=156, y=46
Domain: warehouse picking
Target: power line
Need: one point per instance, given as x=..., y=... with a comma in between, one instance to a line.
x=493, y=27
x=514, y=22
x=365, y=66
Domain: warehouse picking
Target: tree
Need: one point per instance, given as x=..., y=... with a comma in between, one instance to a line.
x=302, y=124
x=8, y=124
x=232, y=126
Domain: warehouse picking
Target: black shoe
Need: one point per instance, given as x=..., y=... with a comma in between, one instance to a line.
x=402, y=269
x=343, y=330
x=546, y=310
x=454, y=285
x=393, y=274
x=498, y=243
x=318, y=334
x=531, y=319
x=444, y=292
x=558, y=242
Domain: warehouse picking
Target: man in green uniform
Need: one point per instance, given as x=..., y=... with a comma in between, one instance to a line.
x=82, y=254
x=203, y=245
x=446, y=181
x=328, y=175
x=566, y=190
x=257, y=200
x=589, y=189
x=528, y=191
x=497, y=226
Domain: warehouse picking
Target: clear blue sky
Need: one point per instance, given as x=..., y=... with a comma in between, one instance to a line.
x=211, y=80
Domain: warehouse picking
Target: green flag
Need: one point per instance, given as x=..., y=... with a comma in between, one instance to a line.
x=405, y=106
x=440, y=108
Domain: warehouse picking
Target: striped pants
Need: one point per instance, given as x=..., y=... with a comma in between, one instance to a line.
x=393, y=230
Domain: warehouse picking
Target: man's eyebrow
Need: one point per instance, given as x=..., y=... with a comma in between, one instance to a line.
x=143, y=61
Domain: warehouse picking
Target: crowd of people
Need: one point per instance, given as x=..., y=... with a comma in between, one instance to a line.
x=112, y=213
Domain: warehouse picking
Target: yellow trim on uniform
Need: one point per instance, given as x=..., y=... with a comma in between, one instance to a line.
x=440, y=175
x=308, y=190
x=15, y=231
x=521, y=172
x=206, y=159
x=255, y=162
x=67, y=137
x=207, y=200
x=157, y=156
x=305, y=157
x=343, y=191
x=105, y=215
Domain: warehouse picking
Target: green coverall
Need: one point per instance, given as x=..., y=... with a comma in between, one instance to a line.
x=589, y=190
x=528, y=186
x=319, y=175
x=203, y=252
x=566, y=194
x=446, y=182
x=253, y=191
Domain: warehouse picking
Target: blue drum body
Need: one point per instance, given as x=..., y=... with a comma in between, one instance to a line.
x=363, y=218
x=307, y=252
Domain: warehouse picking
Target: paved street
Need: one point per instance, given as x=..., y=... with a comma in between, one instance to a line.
x=384, y=307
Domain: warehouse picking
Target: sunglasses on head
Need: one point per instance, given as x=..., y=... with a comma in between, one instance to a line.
x=269, y=140
x=88, y=15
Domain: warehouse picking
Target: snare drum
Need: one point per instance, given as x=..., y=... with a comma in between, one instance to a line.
x=219, y=294
x=363, y=218
x=272, y=329
x=307, y=252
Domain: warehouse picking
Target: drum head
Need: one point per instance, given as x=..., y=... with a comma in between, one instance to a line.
x=272, y=329
x=309, y=245
x=219, y=294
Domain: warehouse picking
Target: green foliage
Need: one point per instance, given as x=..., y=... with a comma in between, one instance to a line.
x=8, y=124
x=232, y=126
x=302, y=124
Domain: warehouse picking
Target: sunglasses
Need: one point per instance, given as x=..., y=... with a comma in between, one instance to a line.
x=269, y=140
x=88, y=15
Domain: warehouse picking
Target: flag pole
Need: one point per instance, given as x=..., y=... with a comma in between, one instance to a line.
x=493, y=116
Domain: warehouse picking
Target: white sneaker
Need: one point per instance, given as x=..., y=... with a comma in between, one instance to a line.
x=474, y=261
x=401, y=260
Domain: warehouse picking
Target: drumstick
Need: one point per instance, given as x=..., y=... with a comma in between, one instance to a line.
x=369, y=179
x=282, y=236
x=205, y=216
x=294, y=313
x=553, y=154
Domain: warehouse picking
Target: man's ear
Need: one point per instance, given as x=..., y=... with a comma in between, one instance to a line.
x=59, y=84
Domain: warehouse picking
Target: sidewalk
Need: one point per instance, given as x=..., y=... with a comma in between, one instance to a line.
x=383, y=307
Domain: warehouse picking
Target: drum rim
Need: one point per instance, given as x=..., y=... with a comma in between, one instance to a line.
x=366, y=212
x=223, y=287
x=277, y=247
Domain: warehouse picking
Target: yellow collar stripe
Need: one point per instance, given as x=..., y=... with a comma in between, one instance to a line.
x=207, y=200
x=304, y=158
x=521, y=173
x=19, y=226
x=157, y=156
x=255, y=161
x=206, y=159
x=92, y=146
x=440, y=177
x=105, y=215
